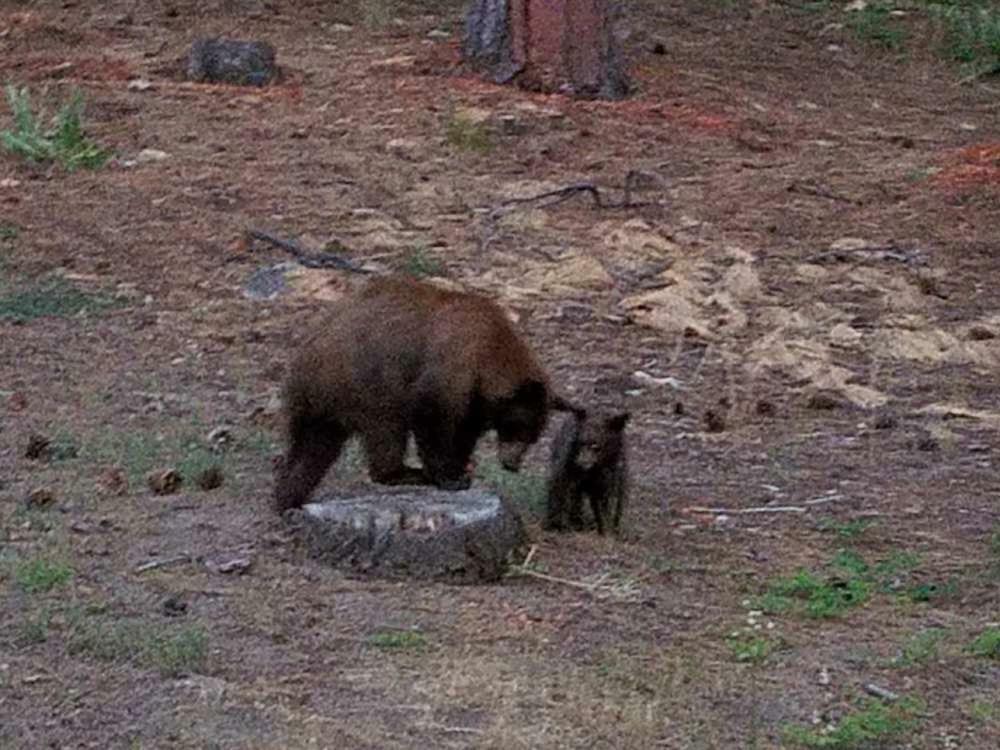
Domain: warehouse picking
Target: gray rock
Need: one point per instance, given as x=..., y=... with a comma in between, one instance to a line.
x=459, y=537
x=217, y=60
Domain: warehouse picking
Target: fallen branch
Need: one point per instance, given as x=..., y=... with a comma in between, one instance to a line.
x=308, y=258
x=737, y=511
x=600, y=587
x=152, y=564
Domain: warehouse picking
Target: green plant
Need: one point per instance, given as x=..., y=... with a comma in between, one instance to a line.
x=875, y=24
x=467, y=134
x=874, y=725
x=398, y=640
x=973, y=32
x=8, y=232
x=984, y=712
x=419, y=264
x=815, y=597
x=986, y=644
x=35, y=628
x=170, y=653
x=38, y=575
x=64, y=142
x=50, y=297
x=750, y=648
x=524, y=489
x=846, y=530
x=197, y=459
x=920, y=649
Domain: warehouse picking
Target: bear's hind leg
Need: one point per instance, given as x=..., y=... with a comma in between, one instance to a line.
x=313, y=448
x=385, y=447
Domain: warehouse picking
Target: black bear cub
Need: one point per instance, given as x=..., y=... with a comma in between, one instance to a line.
x=589, y=460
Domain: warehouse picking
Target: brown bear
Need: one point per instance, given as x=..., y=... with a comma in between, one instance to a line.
x=400, y=357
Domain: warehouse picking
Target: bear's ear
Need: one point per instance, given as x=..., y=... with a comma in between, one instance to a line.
x=618, y=421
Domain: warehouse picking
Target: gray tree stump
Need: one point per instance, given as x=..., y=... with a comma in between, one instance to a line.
x=459, y=537
x=216, y=60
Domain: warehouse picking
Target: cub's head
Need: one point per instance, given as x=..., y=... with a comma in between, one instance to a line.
x=598, y=439
x=520, y=418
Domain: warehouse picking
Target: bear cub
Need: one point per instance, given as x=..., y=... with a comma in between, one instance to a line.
x=588, y=460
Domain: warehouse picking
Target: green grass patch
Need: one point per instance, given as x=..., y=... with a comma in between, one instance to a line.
x=986, y=644
x=874, y=24
x=806, y=593
x=55, y=297
x=750, y=648
x=171, y=652
x=983, y=711
x=920, y=649
x=34, y=629
x=419, y=264
x=873, y=725
x=846, y=530
x=524, y=489
x=8, y=232
x=398, y=640
x=973, y=32
x=467, y=134
x=63, y=142
x=40, y=575
x=848, y=581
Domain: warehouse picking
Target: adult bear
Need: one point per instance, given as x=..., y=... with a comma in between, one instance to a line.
x=400, y=357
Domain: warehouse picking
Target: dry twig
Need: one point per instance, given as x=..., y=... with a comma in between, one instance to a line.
x=152, y=564
x=308, y=258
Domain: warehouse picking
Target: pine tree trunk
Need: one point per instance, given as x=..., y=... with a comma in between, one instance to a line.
x=547, y=45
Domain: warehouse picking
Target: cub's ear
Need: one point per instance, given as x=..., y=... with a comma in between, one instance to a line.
x=558, y=402
x=618, y=421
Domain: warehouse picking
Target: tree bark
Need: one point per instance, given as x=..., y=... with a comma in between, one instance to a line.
x=547, y=45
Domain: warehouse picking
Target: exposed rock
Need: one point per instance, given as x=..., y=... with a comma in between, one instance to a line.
x=460, y=537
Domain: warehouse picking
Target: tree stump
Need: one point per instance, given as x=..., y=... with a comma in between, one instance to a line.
x=459, y=537
x=547, y=45
x=216, y=60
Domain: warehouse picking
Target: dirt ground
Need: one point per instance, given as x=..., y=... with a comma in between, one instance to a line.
x=799, y=312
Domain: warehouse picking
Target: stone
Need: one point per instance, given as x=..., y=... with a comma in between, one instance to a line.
x=459, y=537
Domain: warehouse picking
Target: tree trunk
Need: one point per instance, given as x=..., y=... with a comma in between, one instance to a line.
x=547, y=45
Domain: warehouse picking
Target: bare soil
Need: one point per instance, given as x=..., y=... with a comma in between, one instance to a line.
x=857, y=384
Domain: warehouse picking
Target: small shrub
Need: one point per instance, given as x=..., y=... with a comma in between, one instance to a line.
x=39, y=575
x=398, y=640
x=64, y=142
x=871, y=726
x=174, y=654
x=986, y=644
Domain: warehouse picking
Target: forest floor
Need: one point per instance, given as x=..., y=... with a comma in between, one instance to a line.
x=797, y=308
